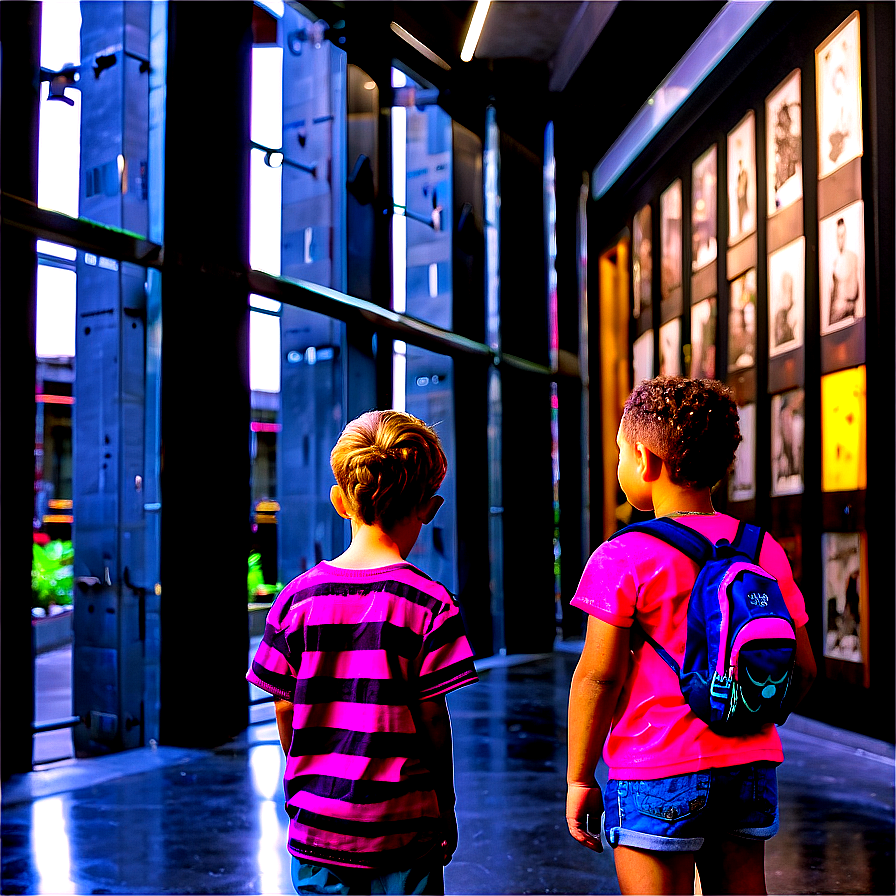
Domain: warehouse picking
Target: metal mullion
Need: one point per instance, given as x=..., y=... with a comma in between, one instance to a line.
x=79, y=233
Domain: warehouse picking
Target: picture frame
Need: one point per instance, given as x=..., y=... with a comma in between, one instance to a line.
x=838, y=97
x=642, y=358
x=786, y=297
x=841, y=260
x=670, y=240
x=742, y=321
x=670, y=348
x=742, y=179
x=704, y=316
x=844, y=462
x=704, y=200
x=742, y=481
x=784, y=144
x=788, y=442
x=642, y=262
x=845, y=596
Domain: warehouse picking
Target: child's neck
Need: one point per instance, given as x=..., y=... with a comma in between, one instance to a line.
x=673, y=499
x=373, y=547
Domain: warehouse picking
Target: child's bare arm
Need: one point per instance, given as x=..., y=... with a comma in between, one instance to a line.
x=435, y=728
x=283, y=711
x=804, y=669
x=593, y=694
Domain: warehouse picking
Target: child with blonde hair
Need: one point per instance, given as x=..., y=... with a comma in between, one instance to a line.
x=359, y=653
x=679, y=794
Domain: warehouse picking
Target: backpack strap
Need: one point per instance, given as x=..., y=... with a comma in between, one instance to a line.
x=749, y=540
x=687, y=540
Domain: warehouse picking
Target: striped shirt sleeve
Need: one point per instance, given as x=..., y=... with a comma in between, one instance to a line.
x=273, y=669
x=446, y=658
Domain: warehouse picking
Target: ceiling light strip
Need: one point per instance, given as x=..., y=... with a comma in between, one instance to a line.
x=725, y=30
x=472, y=38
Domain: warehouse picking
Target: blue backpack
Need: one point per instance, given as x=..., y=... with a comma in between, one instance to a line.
x=741, y=640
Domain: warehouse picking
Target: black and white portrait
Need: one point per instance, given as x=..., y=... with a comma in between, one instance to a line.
x=842, y=557
x=642, y=358
x=703, y=339
x=742, y=321
x=703, y=209
x=642, y=261
x=670, y=348
x=788, y=429
x=841, y=240
x=742, y=180
x=839, y=97
x=670, y=239
x=784, y=144
x=786, y=297
x=742, y=482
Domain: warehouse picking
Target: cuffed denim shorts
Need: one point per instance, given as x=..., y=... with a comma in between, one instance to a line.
x=677, y=814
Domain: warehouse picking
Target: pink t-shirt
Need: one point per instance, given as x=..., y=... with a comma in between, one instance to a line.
x=654, y=733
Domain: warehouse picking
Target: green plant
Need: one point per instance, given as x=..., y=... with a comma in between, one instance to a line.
x=52, y=574
x=258, y=590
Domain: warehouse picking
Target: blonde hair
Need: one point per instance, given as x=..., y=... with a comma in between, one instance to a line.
x=692, y=425
x=387, y=463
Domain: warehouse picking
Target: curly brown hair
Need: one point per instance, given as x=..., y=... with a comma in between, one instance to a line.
x=692, y=425
x=387, y=463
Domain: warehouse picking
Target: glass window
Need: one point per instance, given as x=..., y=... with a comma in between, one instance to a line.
x=422, y=187
x=424, y=387
x=296, y=357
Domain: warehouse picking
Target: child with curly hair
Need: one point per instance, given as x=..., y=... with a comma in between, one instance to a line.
x=359, y=653
x=679, y=795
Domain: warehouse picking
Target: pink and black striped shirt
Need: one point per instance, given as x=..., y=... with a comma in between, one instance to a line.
x=355, y=651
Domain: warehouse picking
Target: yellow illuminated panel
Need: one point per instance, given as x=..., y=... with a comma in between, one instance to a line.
x=843, y=439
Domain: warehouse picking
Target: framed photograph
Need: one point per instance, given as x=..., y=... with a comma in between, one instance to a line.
x=841, y=258
x=642, y=261
x=742, y=179
x=742, y=482
x=784, y=144
x=703, y=339
x=670, y=239
x=843, y=431
x=703, y=209
x=838, y=88
x=742, y=321
x=642, y=358
x=670, y=348
x=786, y=297
x=788, y=430
x=843, y=591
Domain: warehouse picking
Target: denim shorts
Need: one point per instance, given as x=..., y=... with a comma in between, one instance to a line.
x=311, y=879
x=677, y=814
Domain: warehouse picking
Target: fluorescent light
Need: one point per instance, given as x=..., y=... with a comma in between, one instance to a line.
x=466, y=54
x=725, y=30
x=409, y=38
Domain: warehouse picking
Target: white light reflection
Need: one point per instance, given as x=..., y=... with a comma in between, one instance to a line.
x=264, y=352
x=55, y=327
x=50, y=847
x=399, y=375
x=266, y=183
x=266, y=762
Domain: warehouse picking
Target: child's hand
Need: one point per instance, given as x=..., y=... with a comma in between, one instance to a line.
x=449, y=836
x=584, y=807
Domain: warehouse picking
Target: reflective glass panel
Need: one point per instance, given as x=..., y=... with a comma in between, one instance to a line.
x=422, y=186
x=424, y=387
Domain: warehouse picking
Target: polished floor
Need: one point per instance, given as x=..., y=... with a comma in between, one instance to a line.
x=167, y=820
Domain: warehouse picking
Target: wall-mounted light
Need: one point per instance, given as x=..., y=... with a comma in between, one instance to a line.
x=274, y=158
x=67, y=76
x=472, y=38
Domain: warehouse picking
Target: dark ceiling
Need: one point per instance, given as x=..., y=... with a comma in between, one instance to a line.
x=598, y=59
